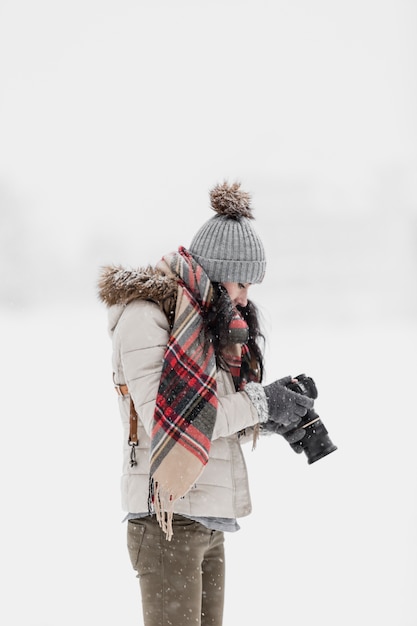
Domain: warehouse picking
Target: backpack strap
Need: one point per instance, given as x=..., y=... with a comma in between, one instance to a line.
x=122, y=390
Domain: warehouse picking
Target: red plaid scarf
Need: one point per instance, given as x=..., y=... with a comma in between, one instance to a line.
x=186, y=404
x=237, y=350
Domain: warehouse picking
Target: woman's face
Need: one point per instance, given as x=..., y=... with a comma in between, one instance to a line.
x=238, y=292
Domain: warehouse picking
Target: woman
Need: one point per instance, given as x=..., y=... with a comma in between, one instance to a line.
x=187, y=364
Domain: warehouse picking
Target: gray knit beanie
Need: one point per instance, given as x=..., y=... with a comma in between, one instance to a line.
x=227, y=247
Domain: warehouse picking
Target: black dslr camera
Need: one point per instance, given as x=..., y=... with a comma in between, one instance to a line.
x=310, y=435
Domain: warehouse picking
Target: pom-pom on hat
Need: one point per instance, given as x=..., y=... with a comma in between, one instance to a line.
x=227, y=246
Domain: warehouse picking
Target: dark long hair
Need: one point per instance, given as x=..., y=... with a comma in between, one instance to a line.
x=218, y=318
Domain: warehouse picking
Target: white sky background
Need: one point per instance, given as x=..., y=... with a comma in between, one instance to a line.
x=116, y=118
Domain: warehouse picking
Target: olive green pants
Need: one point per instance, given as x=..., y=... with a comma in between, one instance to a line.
x=182, y=580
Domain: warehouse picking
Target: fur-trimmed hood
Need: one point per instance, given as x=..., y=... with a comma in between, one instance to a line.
x=117, y=286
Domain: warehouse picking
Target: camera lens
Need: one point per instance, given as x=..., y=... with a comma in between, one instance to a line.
x=310, y=435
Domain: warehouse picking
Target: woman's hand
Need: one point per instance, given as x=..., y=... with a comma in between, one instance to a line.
x=286, y=407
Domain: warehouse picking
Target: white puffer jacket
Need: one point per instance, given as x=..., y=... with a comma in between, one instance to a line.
x=140, y=333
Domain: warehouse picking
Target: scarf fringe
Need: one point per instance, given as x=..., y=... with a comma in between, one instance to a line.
x=163, y=507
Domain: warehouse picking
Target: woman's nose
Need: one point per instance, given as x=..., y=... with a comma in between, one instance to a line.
x=242, y=299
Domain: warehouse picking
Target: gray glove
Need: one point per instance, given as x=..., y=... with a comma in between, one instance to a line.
x=286, y=408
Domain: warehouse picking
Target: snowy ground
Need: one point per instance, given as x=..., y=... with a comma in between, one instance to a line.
x=331, y=543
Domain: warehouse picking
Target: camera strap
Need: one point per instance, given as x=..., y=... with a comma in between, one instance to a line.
x=122, y=390
x=313, y=421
